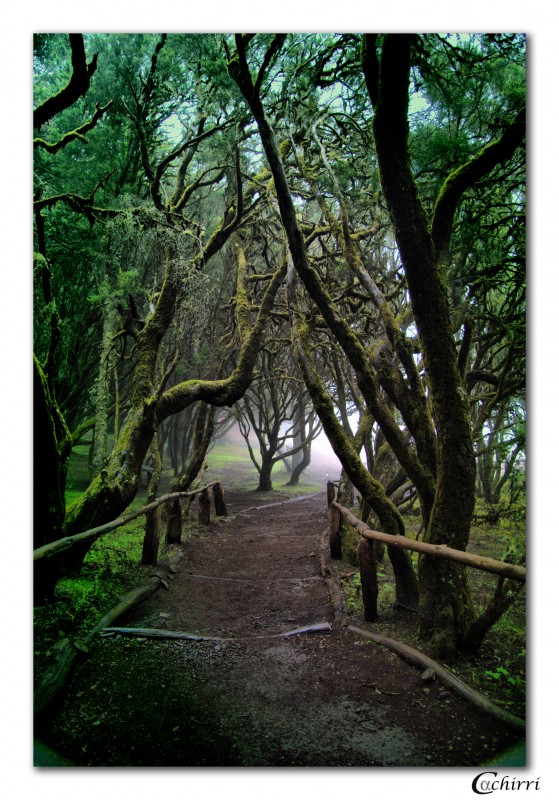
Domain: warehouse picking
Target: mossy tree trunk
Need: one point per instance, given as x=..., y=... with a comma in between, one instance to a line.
x=302, y=458
x=446, y=609
x=103, y=404
x=370, y=489
x=111, y=492
x=52, y=446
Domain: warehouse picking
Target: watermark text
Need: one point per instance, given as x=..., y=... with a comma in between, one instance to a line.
x=489, y=782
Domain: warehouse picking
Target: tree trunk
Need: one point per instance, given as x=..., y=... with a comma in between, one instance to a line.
x=298, y=470
x=219, y=500
x=335, y=527
x=150, y=547
x=174, y=445
x=503, y=598
x=298, y=437
x=174, y=522
x=103, y=404
x=265, y=475
x=52, y=445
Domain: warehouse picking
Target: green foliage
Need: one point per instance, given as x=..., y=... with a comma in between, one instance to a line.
x=81, y=601
x=467, y=89
x=502, y=674
x=511, y=689
x=351, y=588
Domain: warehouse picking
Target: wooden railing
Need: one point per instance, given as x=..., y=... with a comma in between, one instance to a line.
x=151, y=536
x=337, y=512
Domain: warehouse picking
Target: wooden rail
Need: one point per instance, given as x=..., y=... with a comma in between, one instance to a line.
x=512, y=571
x=366, y=559
x=53, y=548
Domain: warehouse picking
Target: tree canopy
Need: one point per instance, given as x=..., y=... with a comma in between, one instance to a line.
x=311, y=226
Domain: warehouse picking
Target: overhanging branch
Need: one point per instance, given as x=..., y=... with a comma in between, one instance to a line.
x=78, y=85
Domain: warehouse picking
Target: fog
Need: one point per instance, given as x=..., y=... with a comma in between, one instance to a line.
x=324, y=462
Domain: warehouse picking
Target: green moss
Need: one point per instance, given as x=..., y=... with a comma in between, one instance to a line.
x=350, y=540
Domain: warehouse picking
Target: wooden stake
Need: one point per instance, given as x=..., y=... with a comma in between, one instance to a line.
x=335, y=524
x=150, y=548
x=219, y=500
x=174, y=522
x=204, y=508
x=368, y=572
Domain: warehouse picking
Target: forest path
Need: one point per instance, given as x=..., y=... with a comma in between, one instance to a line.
x=323, y=698
x=255, y=572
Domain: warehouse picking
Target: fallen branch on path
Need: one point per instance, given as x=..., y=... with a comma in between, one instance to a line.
x=54, y=680
x=290, y=500
x=268, y=581
x=160, y=633
x=422, y=661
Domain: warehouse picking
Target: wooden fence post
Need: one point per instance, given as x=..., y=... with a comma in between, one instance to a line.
x=335, y=525
x=368, y=573
x=219, y=500
x=150, y=547
x=174, y=522
x=204, y=507
x=330, y=492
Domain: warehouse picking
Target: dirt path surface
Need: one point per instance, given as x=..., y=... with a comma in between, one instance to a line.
x=323, y=698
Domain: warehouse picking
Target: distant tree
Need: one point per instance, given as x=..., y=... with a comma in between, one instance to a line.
x=273, y=410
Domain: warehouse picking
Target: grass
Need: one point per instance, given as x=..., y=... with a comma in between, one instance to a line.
x=235, y=454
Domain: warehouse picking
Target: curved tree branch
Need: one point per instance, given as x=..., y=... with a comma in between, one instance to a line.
x=78, y=85
x=459, y=181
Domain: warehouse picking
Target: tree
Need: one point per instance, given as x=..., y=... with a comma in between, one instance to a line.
x=52, y=437
x=442, y=466
x=273, y=409
x=180, y=253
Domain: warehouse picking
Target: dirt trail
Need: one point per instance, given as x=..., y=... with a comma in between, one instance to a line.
x=324, y=698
